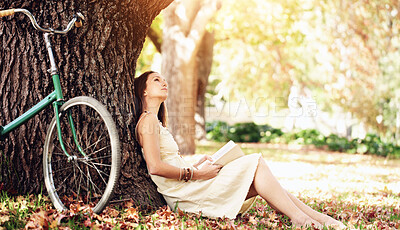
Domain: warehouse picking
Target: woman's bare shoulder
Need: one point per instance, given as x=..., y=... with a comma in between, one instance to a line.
x=149, y=124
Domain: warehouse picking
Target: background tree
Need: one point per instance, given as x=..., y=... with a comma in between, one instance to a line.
x=367, y=42
x=184, y=32
x=98, y=60
x=204, y=60
x=344, y=52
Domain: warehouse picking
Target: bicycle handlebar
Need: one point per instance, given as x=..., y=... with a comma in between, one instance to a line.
x=78, y=18
x=4, y=13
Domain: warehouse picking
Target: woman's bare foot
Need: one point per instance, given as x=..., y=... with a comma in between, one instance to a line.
x=334, y=223
x=306, y=223
x=330, y=222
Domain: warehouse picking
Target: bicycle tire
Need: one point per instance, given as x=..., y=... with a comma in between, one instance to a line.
x=82, y=181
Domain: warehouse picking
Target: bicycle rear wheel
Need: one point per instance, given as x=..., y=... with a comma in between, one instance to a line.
x=90, y=180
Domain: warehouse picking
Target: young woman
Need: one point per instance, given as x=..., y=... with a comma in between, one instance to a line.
x=214, y=190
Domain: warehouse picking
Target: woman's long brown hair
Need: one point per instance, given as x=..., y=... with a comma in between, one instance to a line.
x=139, y=85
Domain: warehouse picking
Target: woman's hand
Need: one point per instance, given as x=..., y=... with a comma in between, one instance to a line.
x=206, y=172
x=205, y=158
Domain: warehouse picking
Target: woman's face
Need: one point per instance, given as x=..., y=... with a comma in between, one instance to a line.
x=156, y=86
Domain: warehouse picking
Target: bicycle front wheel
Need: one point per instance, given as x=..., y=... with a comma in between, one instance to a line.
x=82, y=180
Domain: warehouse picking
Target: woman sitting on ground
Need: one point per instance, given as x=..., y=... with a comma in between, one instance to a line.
x=213, y=190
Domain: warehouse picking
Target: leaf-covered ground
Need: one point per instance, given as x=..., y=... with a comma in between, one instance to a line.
x=362, y=191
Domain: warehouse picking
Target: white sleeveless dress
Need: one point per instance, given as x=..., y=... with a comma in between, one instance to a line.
x=221, y=196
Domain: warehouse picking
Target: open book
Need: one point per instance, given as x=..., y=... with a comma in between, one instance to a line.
x=229, y=152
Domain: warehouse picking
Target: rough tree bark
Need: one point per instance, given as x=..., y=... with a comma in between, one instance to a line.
x=98, y=60
x=185, y=25
x=204, y=60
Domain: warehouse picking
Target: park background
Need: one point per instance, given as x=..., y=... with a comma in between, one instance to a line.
x=312, y=85
x=292, y=65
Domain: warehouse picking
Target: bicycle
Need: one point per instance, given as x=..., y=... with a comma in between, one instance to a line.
x=81, y=154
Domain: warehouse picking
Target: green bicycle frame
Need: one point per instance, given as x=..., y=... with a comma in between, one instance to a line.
x=56, y=98
x=28, y=114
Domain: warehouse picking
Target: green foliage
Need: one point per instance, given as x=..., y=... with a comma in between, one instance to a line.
x=244, y=132
x=375, y=145
x=250, y=132
x=345, y=52
x=336, y=143
x=311, y=137
x=241, y=132
x=268, y=133
x=217, y=131
x=149, y=51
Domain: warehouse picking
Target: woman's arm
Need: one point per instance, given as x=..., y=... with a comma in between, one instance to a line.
x=149, y=132
x=149, y=136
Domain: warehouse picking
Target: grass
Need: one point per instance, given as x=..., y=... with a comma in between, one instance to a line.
x=15, y=209
x=362, y=191
x=344, y=181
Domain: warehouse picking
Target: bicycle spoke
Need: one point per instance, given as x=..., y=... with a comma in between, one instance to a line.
x=99, y=138
x=100, y=164
x=63, y=169
x=85, y=125
x=75, y=177
x=89, y=179
x=83, y=174
x=98, y=171
x=93, y=144
x=99, y=150
x=91, y=134
x=88, y=172
x=88, y=141
x=84, y=134
x=68, y=145
x=67, y=177
x=82, y=179
x=59, y=149
x=92, y=159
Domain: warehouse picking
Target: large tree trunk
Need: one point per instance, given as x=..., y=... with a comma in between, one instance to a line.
x=97, y=60
x=185, y=25
x=203, y=69
x=204, y=60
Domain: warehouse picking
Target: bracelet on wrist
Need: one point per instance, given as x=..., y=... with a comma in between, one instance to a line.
x=186, y=174
x=191, y=174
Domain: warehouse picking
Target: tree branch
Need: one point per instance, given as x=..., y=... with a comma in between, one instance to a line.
x=158, y=6
x=207, y=11
x=155, y=38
